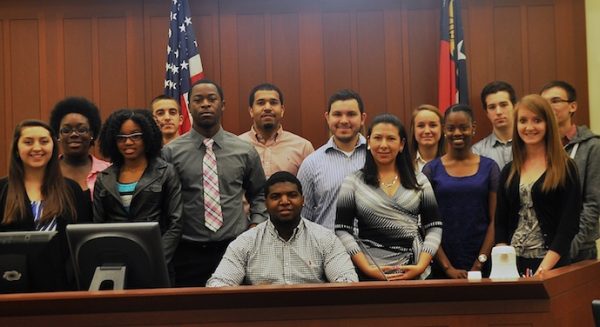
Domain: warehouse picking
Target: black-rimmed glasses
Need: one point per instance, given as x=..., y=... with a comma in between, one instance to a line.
x=558, y=100
x=135, y=137
x=67, y=130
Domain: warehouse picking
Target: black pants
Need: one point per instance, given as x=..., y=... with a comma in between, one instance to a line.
x=195, y=262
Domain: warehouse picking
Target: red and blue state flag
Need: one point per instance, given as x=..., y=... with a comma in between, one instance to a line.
x=453, y=85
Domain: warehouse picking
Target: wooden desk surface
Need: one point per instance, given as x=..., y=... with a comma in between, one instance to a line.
x=562, y=297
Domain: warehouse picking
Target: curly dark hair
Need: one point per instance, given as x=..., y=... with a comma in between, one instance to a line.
x=76, y=105
x=112, y=127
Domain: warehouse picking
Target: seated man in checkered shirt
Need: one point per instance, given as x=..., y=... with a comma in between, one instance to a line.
x=286, y=249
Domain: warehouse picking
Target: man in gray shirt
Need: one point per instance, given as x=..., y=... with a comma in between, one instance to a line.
x=286, y=249
x=239, y=173
x=498, y=99
x=583, y=146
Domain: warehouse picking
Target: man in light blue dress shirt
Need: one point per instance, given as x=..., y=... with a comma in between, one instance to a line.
x=323, y=172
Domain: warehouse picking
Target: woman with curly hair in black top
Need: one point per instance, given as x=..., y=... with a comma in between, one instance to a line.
x=139, y=186
x=76, y=122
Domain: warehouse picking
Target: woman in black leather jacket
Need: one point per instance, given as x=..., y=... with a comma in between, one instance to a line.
x=139, y=186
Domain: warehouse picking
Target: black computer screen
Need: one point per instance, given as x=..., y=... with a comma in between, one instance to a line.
x=30, y=262
x=135, y=246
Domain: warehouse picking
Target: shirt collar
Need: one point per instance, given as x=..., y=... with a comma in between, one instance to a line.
x=300, y=228
x=199, y=138
x=362, y=141
x=419, y=159
x=496, y=141
x=98, y=165
x=273, y=138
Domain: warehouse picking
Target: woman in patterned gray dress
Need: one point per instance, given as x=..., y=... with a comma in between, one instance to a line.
x=384, y=199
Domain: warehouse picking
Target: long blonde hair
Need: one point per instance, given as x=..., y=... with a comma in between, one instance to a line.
x=556, y=157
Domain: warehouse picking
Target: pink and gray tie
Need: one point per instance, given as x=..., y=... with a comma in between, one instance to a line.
x=213, y=217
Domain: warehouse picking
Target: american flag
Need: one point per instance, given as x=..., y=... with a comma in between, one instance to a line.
x=184, y=66
x=453, y=86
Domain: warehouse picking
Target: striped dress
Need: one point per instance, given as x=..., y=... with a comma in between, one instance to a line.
x=388, y=226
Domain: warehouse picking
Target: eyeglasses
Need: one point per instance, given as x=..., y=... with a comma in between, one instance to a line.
x=67, y=130
x=559, y=100
x=135, y=137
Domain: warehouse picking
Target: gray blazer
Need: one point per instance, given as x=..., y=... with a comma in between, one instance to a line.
x=157, y=197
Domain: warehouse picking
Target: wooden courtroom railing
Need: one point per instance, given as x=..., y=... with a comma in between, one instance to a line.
x=561, y=298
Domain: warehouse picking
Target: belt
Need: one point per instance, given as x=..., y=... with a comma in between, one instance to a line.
x=207, y=245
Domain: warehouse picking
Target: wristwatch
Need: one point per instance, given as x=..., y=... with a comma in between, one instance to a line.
x=482, y=258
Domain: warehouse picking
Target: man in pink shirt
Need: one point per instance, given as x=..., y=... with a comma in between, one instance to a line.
x=279, y=150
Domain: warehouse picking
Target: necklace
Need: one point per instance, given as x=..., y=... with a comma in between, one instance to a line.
x=390, y=184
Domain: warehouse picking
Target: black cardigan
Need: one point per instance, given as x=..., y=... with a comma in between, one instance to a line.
x=57, y=258
x=557, y=211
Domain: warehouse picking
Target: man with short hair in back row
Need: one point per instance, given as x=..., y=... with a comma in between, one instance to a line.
x=323, y=172
x=286, y=249
x=167, y=114
x=498, y=99
x=279, y=150
x=583, y=146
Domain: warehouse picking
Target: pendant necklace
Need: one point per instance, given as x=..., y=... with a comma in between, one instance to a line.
x=390, y=184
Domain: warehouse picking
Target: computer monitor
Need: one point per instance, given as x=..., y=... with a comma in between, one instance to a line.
x=117, y=256
x=30, y=262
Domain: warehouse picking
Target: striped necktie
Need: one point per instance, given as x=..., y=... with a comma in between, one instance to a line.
x=213, y=217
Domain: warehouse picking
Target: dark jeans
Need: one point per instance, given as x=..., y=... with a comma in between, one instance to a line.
x=195, y=262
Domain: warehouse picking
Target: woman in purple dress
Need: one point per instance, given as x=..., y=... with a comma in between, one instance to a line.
x=465, y=187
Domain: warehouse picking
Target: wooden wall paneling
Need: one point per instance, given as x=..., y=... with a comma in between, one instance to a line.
x=207, y=35
x=542, y=39
x=253, y=41
x=313, y=98
x=480, y=62
x=78, y=53
x=4, y=102
x=229, y=69
x=46, y=67
x=24, y=47
x=571, y=43
x=112, y=64
x=370, y=40
x=524, y=39
x=285, y=68
x=135, y=57
x=394, y=91
x=406, y=64
x=579, y=58
x=423, y=55
x=337, y=50
x=508, y=46
x=156, y=26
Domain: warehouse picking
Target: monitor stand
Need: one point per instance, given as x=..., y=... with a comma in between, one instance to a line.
x=108, y=278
